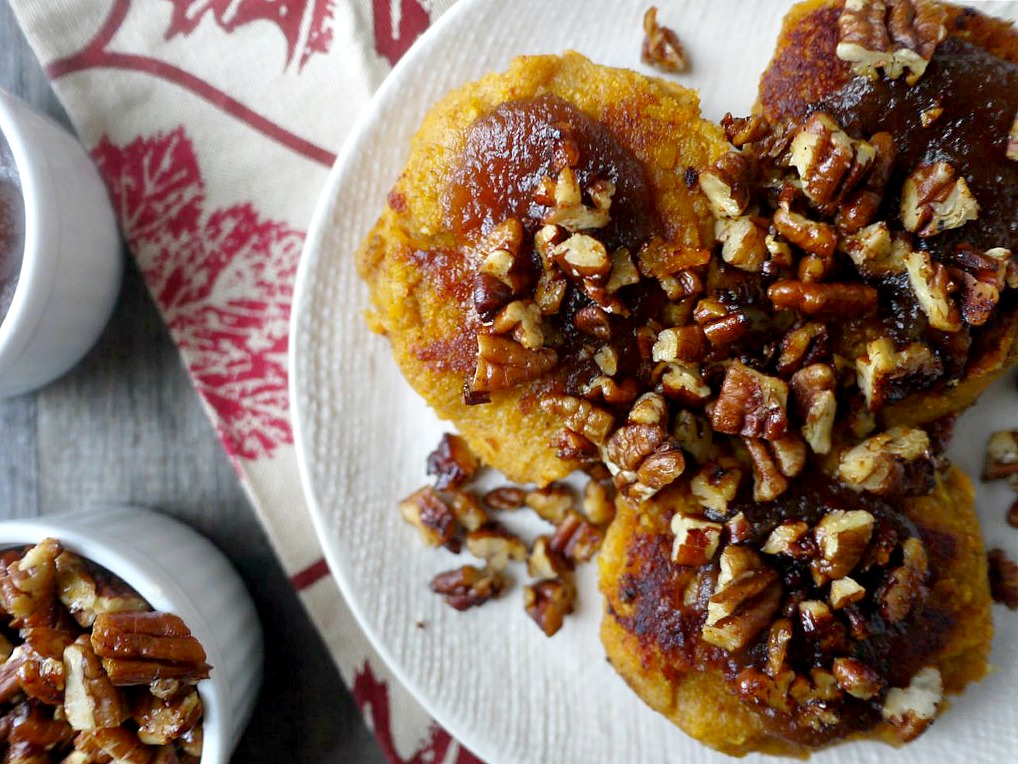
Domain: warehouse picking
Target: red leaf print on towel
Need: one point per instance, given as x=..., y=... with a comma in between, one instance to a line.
x=223, y=280
x=397, y=24
x=306, y=24
x=372, y=696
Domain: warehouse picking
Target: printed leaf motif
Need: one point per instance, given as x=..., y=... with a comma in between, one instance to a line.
x=306, y=24
x=372, y=696
x=222, y=279
x=397, y=24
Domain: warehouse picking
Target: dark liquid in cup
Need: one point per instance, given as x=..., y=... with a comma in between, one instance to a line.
x=12, y=227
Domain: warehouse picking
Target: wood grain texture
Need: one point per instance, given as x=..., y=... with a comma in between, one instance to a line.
x=125, y=425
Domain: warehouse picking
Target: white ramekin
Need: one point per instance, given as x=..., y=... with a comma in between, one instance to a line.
x=178, y=571
x=72, y=263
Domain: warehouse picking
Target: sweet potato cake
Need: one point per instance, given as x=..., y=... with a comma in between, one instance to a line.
x=822, y=616
x=951, y=119
x=504, y=267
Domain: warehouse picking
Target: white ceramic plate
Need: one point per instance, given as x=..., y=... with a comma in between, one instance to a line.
x=488, y=675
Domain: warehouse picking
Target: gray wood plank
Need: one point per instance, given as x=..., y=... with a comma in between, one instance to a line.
x=19, y=463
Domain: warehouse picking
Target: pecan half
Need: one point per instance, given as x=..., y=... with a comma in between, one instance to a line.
x=138, y=648
x=893, y=35
x=503, y=364
x=829, y=162
x=933, y=199
x=580, y=416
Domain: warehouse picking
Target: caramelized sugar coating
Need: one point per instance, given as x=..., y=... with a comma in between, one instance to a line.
x=797, y=666
x=456, y=245
x=960, y=112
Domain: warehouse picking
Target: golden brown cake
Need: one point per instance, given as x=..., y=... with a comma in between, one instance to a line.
x=961, y=112
x=455, y=244
x=761, y=695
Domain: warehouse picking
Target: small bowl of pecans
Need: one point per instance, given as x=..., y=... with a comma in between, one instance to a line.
x=125, y=636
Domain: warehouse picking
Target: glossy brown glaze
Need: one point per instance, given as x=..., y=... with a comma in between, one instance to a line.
x=508, y=152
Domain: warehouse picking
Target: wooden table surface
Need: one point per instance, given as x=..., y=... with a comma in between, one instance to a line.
x=126, y=426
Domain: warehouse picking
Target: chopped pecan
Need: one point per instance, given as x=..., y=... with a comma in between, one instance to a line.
x=163, y=721
x=598, y=502
x=641, y=455
x=680, y=343
x=742, y=130
x=496, y=546
x=744, y=601
x=693, y=433
x=898, y=462
x=505, y=498
x=727, y=329
x=568, y=209
x=716, y=484
x=548, y=602
x=829, y=162
x=813, y=391
x=791, y=539
x=607, y=360
x=90, y=699
x=1003, y=578
x=521, y=320
x=86, y=590
x=931, y=114
x=842, y=537
x=467, y=510
x=28, y=586
x=893, y=35
x=826, y=633
x=911, y=709
x=468, y=586
x=905, y=586
x=875, y=252
x=845, y=591
x=624, y=271
x=551, y=502
x=744, y=242
x=820, y=239
x=824, y=300
x=860, y=208
x=683, y=382
x=750, y=404
x=1001, y=455
x=768, y=481
x=888, y=374
x=434, y=519
x=580, y=416
x=502, y=271
x=778, y=639
x=575, y=538
x=661, y=48
x=192, y=742
x=583, y=257
x=856, y=678
x=802, y=346
x=726, y=186
x=503, y=364
x=452, y=463
x=137, y=648
x=1012, y=141
x=696, y=540
x=543, y=562
x=933, y=288
x=593, y=321
x=31, y=732
x=549, y=292
x=933, y=199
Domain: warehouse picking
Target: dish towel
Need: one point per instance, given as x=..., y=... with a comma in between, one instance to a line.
x=214, y=124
